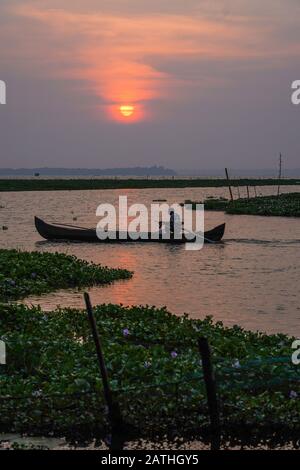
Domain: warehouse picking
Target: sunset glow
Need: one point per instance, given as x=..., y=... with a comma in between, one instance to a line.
x=128, y=75
x=134, y=62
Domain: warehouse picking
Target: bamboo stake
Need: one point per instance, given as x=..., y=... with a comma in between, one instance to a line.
x=211, y=392
x=279, y=174
x=114, y=413
x=229, y=185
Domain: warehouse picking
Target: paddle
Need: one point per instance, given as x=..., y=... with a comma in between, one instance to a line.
x=195, y=234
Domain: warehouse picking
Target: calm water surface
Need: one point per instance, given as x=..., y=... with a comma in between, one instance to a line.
x=252, y=279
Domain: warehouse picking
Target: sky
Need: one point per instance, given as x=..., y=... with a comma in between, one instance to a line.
x=116, y=83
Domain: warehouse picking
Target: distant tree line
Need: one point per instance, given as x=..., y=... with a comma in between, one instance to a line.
x=130, y=171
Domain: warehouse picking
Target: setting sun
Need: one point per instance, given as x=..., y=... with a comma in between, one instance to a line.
x=126, y=113
x=126, y=110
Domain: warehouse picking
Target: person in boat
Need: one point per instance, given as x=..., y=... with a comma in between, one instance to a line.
x=174, y=220
x=175, y=223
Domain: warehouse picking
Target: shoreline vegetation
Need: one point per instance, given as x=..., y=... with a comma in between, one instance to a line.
x=284, y=205
x=52, y=386
x=34, y=273
x=60, y=184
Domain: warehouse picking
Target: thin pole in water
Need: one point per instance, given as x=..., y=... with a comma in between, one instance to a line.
x=113, y=408
x=248, y=196
x=211, y=391
x=279, y=174
x=229, y=185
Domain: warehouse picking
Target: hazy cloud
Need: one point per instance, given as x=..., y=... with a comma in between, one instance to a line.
x=214, y=74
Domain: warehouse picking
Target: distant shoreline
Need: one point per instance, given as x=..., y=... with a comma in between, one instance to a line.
x=128, y=172
x=60, y=184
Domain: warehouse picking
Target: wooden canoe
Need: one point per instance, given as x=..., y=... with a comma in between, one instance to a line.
x=61, y=232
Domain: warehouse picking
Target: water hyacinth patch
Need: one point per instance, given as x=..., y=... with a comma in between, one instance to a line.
x=284, y=205
x=53, y=373
x=25, y=273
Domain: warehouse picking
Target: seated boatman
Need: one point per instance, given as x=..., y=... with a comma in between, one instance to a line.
x=175, y=220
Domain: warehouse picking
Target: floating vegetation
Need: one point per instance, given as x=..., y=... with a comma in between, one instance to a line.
x=51, y=384
x=285, y=205
x=25, y=273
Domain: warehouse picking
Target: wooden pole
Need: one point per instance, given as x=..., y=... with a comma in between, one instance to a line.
x=279, y=174
x=211, y=392
x=114, y=413
x=248, y=196
x=229, y=185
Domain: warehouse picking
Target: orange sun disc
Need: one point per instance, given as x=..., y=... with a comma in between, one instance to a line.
x=126, y=110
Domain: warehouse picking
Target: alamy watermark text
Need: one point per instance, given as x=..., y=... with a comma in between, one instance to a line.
x=2, y=92
x=296, y=93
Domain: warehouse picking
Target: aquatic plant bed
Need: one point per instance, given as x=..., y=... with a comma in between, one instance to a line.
x=51, y=384
x=44, y=184
x=33, y=273
x=284, y=205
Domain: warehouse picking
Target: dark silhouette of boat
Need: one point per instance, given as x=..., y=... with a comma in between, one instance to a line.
x=64, y=232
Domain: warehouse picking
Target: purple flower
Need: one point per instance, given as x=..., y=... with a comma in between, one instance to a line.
x=33, y=275
x=174, y=354
x=236, y=364
x=126, y=332
x=12, y=282
x=293, y=394
x=197, y=328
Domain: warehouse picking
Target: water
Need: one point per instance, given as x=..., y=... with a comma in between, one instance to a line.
x=252, y=279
